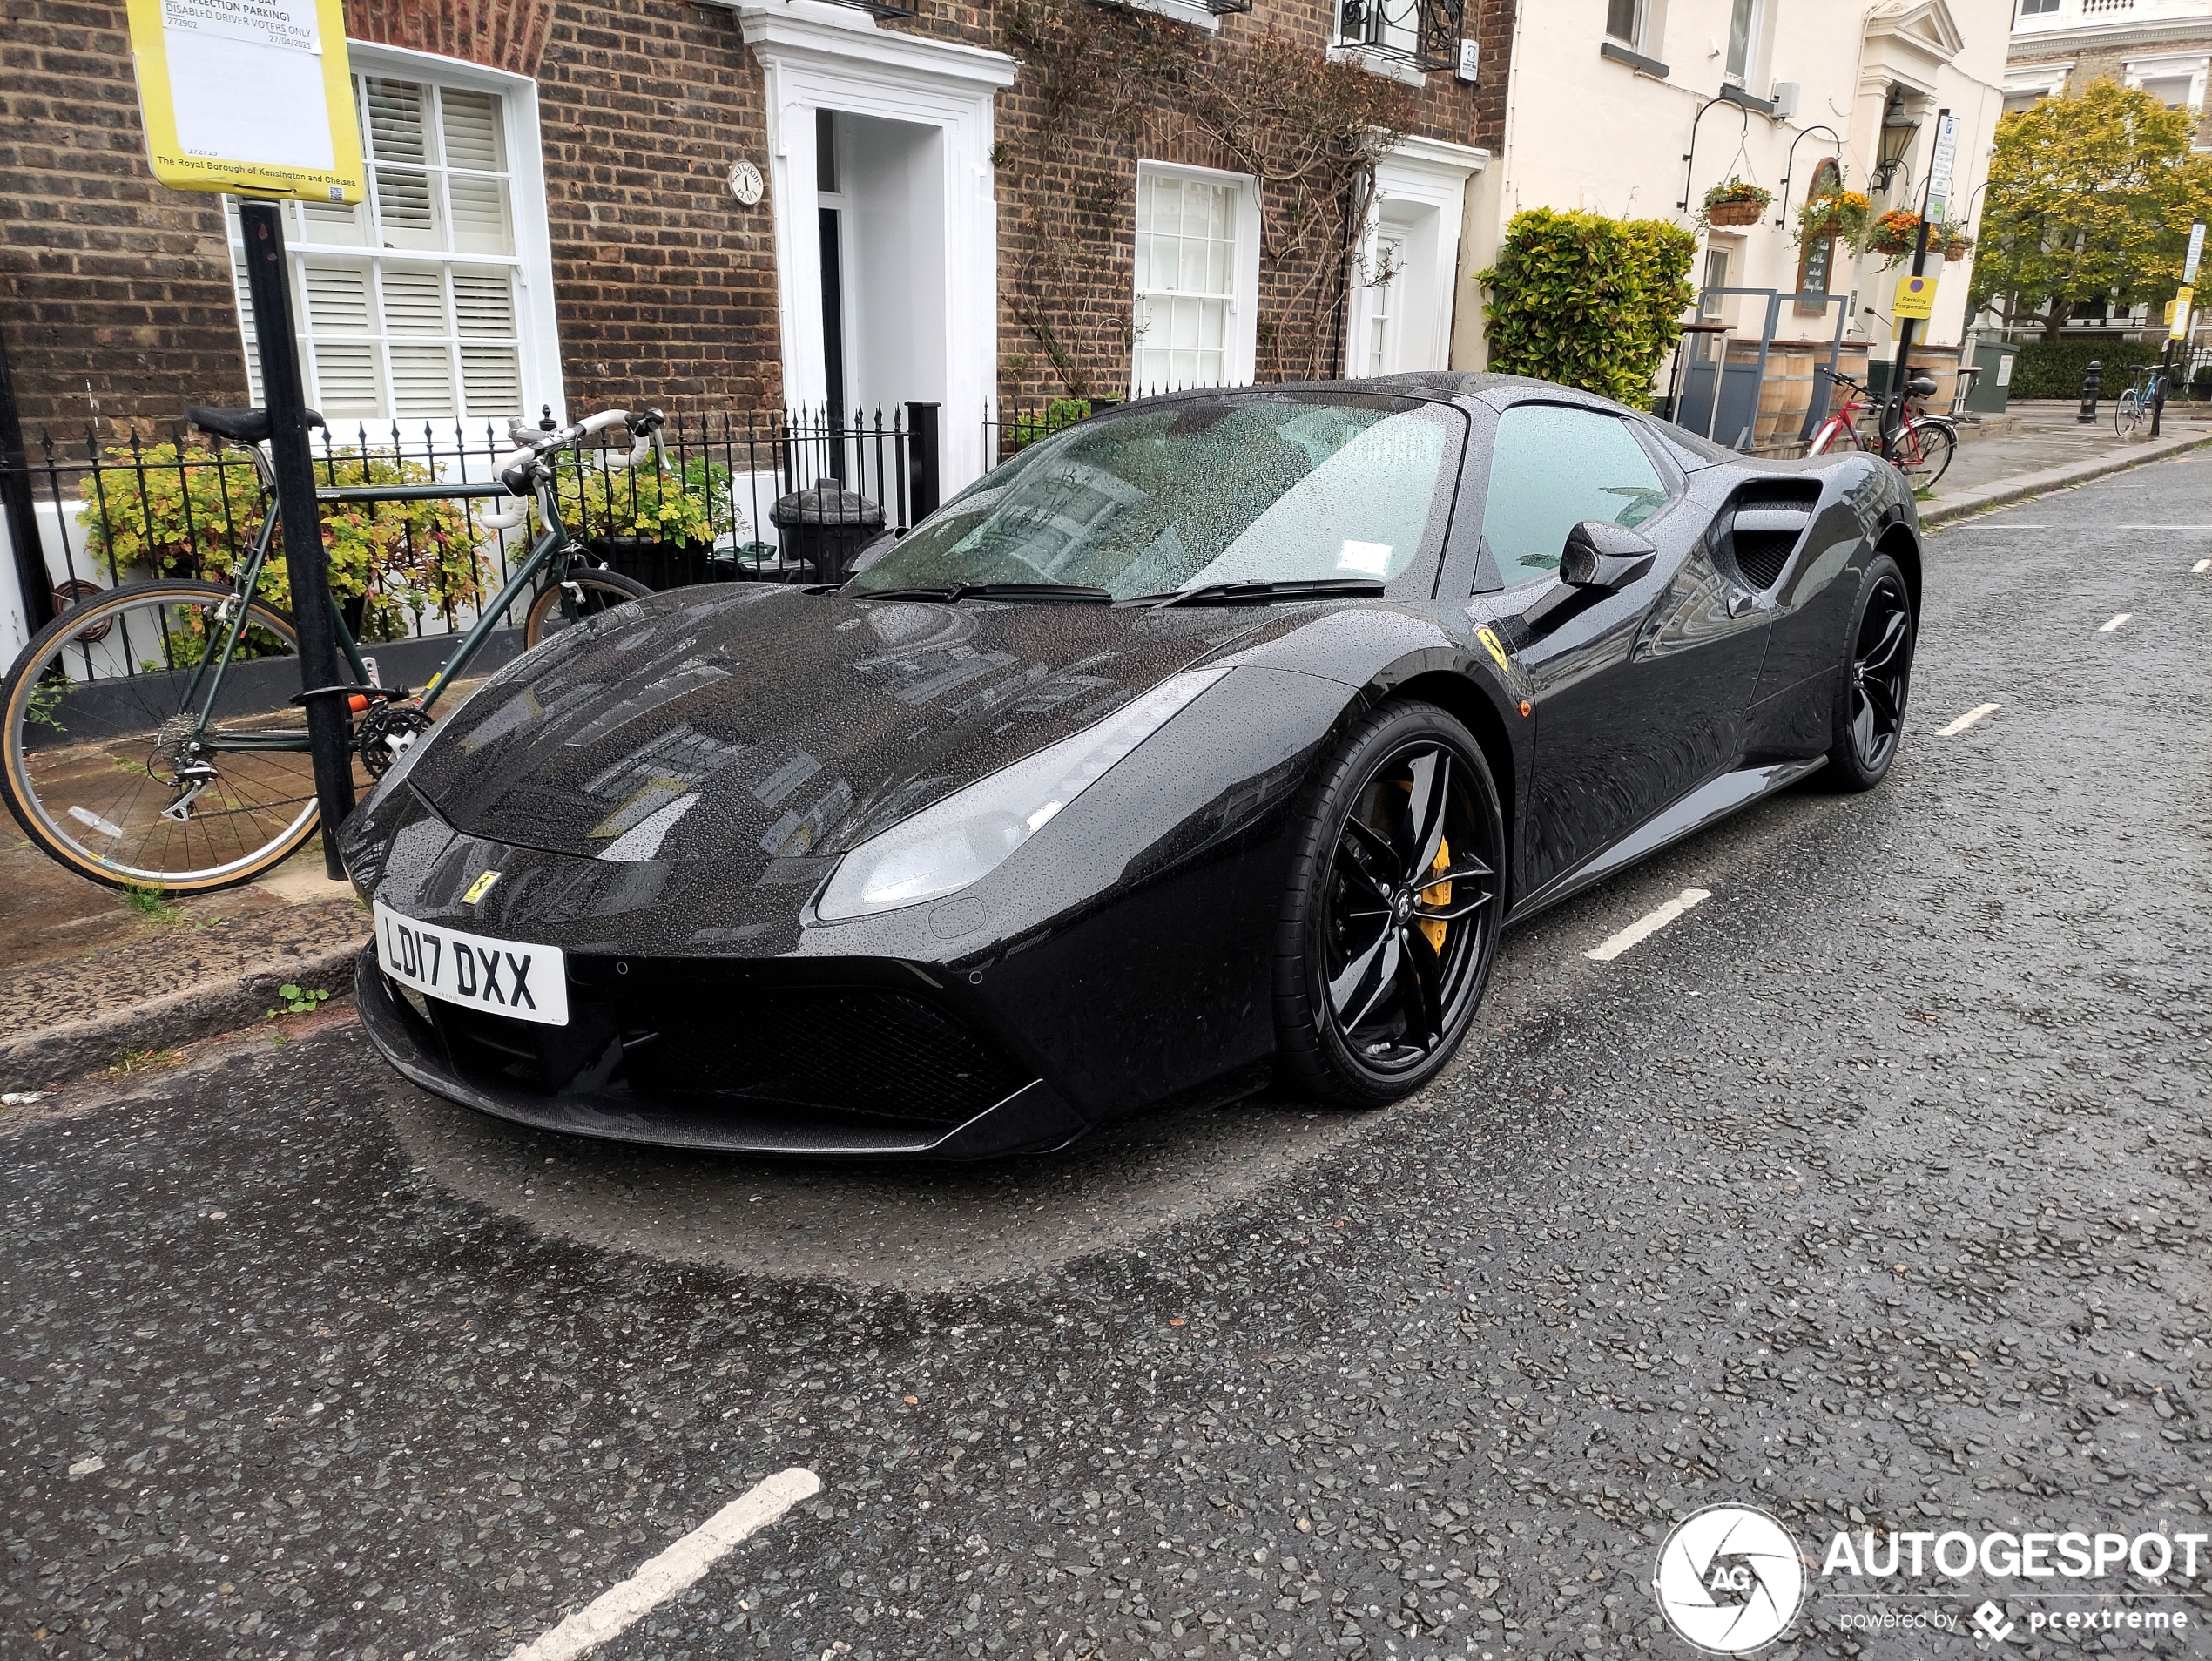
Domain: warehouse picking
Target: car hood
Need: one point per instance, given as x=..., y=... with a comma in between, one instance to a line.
x=761, y=729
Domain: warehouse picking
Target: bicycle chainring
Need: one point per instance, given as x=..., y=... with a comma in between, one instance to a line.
x=386, y=733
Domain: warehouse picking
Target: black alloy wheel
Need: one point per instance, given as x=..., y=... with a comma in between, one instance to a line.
x=1391, y=921
x=1878, y=675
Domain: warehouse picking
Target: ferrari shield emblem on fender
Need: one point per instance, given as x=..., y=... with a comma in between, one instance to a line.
x=480, y=887
x=1495, y=648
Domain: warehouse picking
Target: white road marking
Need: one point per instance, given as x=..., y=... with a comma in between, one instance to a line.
x=1976, y=524
x=1967, y=719
x=1644, y=927
x=676, y=1569
x=2201, y=566
x=2107, y=628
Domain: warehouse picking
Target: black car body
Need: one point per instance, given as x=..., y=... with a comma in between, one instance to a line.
x=1121, y=955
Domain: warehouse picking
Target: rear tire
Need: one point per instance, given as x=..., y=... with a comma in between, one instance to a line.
x=1936, y=444
x=93, y=730
x=602, y=591
x=1389, y=925
x=1876, y=682
x=2129, y=415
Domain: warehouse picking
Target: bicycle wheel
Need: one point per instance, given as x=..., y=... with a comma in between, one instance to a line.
x=1931, y=446
x=2129, y=415
x=99, y=718
x=555, y=608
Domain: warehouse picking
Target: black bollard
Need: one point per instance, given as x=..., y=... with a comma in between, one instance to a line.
x=2091, y=384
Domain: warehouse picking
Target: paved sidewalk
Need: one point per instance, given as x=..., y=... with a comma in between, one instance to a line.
x=87, y=981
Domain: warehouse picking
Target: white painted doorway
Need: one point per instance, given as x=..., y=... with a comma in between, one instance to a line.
x=1399, y=315
x=886, y=246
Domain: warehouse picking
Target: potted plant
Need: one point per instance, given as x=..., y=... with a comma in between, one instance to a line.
x=1735, y=202
x=1893, y=234
x=652, y=523
x=1951, y=238
x=1839, y=214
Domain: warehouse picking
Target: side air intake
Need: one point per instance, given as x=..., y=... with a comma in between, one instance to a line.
x=1764, y=528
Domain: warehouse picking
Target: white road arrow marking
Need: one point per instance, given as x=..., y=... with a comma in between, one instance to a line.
x=2107, y=628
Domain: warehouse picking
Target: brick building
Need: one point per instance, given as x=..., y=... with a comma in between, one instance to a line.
x=1010, y=199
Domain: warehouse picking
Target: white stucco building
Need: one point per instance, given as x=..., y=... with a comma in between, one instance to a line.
x=1635, y=108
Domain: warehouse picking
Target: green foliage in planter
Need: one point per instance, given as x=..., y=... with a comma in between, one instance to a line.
x=691, y=503
x=160, y=511
x=1024, y=430
x=2055, y=369
x=1588, y=302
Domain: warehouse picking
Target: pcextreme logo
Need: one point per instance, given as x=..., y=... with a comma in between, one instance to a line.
x=1730, y=1580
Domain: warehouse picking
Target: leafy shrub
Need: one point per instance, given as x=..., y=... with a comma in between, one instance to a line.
x=2201, y=383
x=157, y=510
x=1021, y=431
x=2055, y=369
x=691, y=503
x=1588, y=302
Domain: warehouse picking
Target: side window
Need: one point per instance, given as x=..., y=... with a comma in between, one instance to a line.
x=1551, y=467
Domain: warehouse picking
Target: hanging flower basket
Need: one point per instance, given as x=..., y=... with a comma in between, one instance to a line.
x=1843, y=214
x=1894, y=233
x=1957, y=249
x=1736, y=203
x=1951, y=238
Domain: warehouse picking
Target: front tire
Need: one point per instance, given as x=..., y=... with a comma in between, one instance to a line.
x=555, y=608
x=1877, y=680
x=1390, y=923
x=2129, y=415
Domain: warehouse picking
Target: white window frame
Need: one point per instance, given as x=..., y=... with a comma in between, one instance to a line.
x=1240, y=342
x=1754, y=44
x=536, y=322
x=2173, y=66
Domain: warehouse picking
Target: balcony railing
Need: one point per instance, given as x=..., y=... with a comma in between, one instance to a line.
x=1424, y=34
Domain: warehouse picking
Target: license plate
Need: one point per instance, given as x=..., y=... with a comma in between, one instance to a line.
x=515, y=978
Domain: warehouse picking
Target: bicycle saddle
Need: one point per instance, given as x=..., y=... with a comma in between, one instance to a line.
x=240, y=426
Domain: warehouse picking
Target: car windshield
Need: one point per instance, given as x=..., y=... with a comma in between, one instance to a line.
x=1237, y=488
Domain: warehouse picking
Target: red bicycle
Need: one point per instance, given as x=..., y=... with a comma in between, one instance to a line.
x=1920, y=446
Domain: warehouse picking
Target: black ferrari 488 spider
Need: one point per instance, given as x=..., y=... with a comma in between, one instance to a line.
x=1213, y=739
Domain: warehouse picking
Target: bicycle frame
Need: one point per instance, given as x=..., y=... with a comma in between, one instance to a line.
x=553, y=539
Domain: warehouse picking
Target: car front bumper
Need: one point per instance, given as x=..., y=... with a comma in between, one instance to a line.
x=444, y=1056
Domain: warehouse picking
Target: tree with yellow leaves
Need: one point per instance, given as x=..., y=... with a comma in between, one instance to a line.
x=2090, y=198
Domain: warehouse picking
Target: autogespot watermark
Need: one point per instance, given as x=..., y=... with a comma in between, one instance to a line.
x=1731, y=1579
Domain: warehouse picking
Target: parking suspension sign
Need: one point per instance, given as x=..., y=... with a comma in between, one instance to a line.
x=249, y=97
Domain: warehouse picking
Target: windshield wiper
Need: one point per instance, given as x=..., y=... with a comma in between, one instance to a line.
x=952, y=591
x=1308, y=588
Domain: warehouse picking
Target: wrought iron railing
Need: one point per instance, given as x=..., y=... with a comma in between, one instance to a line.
x=129, y=507
x=1423, y=33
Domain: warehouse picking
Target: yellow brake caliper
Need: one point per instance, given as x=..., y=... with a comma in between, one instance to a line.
x=1439, y=894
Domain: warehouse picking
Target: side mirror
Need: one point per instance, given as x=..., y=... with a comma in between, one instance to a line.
x=1599, y=554
x=1601, y=557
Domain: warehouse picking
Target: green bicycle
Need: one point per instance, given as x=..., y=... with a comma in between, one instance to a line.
x=155, y=738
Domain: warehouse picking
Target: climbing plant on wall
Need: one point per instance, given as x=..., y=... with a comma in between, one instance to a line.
x=1109, y=85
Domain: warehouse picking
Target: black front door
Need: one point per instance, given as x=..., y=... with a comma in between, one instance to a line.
x=1640, y=696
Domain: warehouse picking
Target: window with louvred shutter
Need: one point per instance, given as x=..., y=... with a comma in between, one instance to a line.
x=411, y=304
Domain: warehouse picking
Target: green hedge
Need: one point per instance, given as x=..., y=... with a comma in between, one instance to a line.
x=2055, y=369
x=1588, y=302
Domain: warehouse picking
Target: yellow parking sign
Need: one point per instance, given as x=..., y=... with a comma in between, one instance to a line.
x=251, y=96
x=1915, y=298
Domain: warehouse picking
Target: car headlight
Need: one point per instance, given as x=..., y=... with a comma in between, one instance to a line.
x=965, y=837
